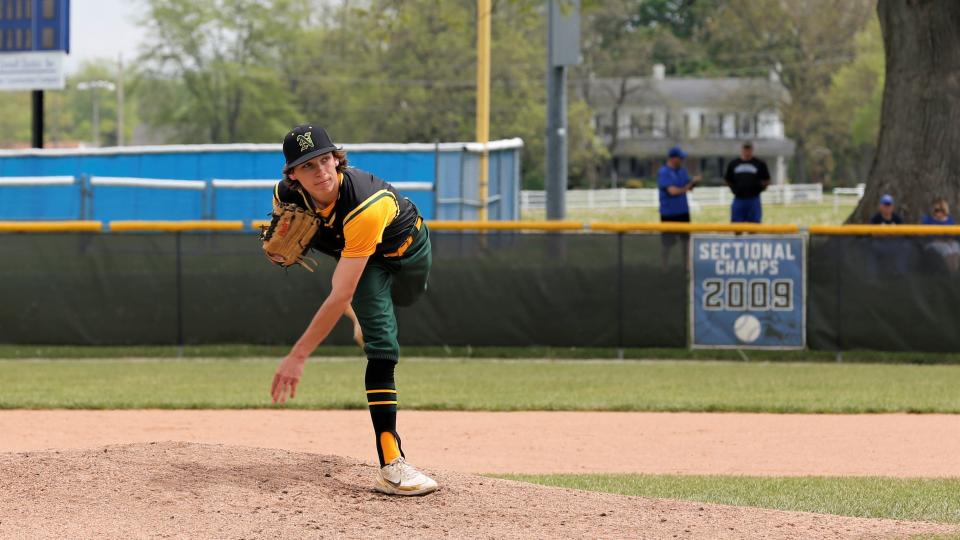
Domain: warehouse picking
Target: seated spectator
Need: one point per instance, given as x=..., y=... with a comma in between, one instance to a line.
x=939, y=214
x=886, y=215
x=946, y=247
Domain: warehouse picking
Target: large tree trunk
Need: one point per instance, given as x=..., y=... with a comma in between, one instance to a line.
x=918, y=152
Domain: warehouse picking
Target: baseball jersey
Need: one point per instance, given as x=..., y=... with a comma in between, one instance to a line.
x=368, y=218
x=672, y=205
x=746, y=177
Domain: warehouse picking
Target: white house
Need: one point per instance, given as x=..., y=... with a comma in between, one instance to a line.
x=640, y=118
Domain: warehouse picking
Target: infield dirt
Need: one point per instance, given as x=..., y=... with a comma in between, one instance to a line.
x=188, y=490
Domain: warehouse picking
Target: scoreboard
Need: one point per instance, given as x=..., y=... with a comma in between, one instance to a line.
x=34, y=41
x=34, y=25
x=748, y=291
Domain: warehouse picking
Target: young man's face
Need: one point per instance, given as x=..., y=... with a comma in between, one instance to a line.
x=318, y=176
x=886, y=210
x=746, y=153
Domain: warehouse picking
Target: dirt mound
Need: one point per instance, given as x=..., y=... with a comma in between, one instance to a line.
x=184, y=490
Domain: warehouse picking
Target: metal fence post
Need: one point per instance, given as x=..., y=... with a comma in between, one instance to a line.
x=83, y=196
x=436, y=179
x=620, y=301
x=179, y=287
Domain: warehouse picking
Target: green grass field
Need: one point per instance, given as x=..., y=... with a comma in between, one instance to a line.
x=775, y=214
x=491, y=385
x=894, y=498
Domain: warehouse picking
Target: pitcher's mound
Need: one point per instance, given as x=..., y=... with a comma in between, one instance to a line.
x=211, y=491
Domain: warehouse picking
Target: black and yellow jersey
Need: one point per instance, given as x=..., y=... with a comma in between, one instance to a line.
x=369, y=217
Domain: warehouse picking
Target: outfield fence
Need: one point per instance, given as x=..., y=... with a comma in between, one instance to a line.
x=561, y=284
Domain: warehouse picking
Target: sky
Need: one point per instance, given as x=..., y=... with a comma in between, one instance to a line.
x=103, y=29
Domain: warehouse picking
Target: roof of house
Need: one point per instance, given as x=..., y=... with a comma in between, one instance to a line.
x=687, y=92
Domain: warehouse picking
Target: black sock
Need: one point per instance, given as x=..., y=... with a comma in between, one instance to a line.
x=382, y=401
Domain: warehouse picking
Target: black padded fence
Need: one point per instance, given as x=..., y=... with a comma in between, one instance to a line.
x=486, y=289
x=897, y=293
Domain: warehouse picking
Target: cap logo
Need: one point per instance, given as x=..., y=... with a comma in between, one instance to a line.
x=305, y=140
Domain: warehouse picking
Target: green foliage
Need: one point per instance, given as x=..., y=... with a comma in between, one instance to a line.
x=853, y=101
x=15, y=118
x=490, y=385
x=910, y=499
x=378, y=71
x=209, y=71
x=803, y=43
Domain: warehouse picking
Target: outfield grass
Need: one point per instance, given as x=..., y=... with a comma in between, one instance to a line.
x=907, y=499
x=800, y=214
x=490, y=385
x=539, y=353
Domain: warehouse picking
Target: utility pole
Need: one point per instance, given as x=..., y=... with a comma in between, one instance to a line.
x=563, y=49
x=120, y=99
x=95, y=86
x=483, y=100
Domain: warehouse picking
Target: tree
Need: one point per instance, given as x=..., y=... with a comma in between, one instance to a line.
x=853, y=103
x=918, y=151
x=802, y=42
x=214, y=65
x=405, y=71
x=69, y=113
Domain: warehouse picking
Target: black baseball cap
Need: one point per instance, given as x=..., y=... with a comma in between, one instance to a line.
x=304, y=143
x=747, y=144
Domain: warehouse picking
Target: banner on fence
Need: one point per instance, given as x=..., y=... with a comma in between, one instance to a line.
x=747, y=291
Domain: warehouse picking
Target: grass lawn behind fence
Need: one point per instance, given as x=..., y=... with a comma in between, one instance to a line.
x=774, y=214
x=490, y=385
x=894, y=498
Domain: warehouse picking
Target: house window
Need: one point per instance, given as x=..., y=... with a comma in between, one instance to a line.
x=745, y=125
x=713, y=126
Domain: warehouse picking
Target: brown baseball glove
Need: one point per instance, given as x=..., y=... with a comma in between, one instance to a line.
x=288, y=236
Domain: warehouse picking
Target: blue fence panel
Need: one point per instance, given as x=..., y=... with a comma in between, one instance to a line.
x=40, y=202
x=396, y=166
x=121, y=202
x=243, y=204
x=450, y=167
x=424, y=201
x=448, y=190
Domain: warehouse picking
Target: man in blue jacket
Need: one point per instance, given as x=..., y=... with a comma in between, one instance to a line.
x=674, y=182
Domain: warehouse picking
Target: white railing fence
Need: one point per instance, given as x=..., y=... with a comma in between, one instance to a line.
x=649, y=197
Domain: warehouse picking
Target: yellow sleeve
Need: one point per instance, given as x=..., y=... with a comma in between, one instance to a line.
x=363, y=227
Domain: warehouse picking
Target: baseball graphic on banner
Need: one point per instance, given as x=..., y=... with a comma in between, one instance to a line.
x=747, y=328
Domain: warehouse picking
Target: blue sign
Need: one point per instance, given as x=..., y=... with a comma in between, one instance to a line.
x=34, y=25
x=747, y=292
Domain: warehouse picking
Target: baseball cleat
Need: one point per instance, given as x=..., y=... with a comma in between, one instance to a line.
x=400, y=478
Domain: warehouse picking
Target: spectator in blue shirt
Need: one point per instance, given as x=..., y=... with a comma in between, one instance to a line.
x=674, y=183
x=946, y=247
x=939, y=214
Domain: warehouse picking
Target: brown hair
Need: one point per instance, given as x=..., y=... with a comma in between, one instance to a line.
x=341, y=156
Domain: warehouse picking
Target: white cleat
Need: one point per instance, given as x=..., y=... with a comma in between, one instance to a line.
x=400, y=478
